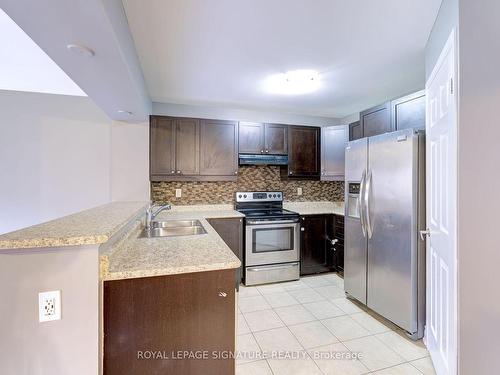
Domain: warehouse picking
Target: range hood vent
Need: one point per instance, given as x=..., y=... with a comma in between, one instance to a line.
x=263, y=159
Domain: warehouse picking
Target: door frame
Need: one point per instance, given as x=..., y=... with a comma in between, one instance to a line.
x=451, y=44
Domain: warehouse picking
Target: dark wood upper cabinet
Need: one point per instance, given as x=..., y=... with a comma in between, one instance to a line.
x=190, y=311
x=231, y=231
x=251, y=138
x=304, y=153
x=376, y=120
x=408, y=111
x=276, y=139
x=355, y=131
x=162, y=145
x=315, y=250
x=187, y=146
x=218, y=148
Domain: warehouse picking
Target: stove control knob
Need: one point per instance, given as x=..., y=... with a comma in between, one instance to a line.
x=239, y=196
x=244, y=196
x=279, y=195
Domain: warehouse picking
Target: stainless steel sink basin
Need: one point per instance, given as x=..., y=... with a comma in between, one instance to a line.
x=172, y=228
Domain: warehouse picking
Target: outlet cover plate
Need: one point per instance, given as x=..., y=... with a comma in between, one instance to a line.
x=299, y=191
x=178, y=193
x=49, y=306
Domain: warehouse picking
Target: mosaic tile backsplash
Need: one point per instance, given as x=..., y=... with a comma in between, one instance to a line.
x=250, y=178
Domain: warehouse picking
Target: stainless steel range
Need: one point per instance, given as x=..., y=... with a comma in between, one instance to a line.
x=272, y=238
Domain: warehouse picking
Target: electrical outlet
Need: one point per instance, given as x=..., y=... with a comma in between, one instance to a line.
x=299, y=191
x=49, y=306
x=178, y=193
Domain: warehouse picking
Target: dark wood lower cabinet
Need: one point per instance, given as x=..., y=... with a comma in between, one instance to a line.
x=149, y=319
x=315, y=253
x=338, y=246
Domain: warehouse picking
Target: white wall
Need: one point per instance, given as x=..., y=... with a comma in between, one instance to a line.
x=54, y=157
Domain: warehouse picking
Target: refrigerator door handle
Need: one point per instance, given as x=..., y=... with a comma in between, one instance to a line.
x=360, y=203
x=368, y=188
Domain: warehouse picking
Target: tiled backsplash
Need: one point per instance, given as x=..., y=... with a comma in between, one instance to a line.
x=250, y=178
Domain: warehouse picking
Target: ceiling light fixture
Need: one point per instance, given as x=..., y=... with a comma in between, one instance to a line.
x=80, y=50
x=123, y=112
x=295, y=82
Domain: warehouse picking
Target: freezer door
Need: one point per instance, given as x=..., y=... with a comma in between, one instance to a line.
x=355, y=241
x=391, y=208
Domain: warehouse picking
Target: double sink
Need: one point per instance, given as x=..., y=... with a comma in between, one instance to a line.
x=173, y=228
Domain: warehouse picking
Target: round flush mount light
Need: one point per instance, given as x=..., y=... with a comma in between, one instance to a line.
x=295, y=82
x=80, y=50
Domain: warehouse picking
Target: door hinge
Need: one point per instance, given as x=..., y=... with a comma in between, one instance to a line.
x=451, y=85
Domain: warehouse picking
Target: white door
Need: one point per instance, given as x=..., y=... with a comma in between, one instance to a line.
x=441, y=156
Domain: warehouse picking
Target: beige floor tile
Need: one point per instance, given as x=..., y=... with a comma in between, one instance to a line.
x=346, y=305
x=403, y=369
x=280, y=299
x=335, y=359
x=374, y=354
x=294, y=285
x=270, y=289
x=254, y=368
x=316, y=281
x=408, y=349
x=335, y=279
x=256, y=303
x=345, y=328
x=425, y=366
x=302, y=366
x=295, y=314
x=248, y=291
x=242, y=328
x=262, y=320
x=372, y=324
x=247, y=349
x=312, y=334
x=330, y=292
x=278, y=339
x=306, y=295
x=323, y=309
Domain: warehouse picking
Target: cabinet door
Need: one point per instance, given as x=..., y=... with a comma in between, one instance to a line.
x=355, y=131
x=187, y=146
x=251, y=138
x=376, y=120
x=162, y=145
x=338, y=246
x=218, y=148
x=304, y=149
x=408, y=111
x=276, y=139
x=333, y=139
x=313, y=249
x=191, y=311
x=231, y=231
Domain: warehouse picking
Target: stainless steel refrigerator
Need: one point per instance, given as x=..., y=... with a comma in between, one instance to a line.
x=384, y=264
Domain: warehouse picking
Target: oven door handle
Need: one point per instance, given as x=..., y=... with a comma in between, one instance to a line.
x=271, y=222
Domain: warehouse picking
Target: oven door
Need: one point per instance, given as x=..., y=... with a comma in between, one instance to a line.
x=271, y=242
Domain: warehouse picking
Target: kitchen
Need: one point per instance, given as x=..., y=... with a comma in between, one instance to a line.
x=243, y=201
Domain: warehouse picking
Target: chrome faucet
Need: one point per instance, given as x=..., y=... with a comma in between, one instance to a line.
x=151, y=213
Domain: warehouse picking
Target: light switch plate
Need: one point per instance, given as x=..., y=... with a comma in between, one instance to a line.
x=299, y=191
x=178, y=193
x=49, y=306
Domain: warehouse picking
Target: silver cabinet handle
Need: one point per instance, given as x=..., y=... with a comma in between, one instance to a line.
x=235, y=172
x=369, y=228
x=360, y=203
x=424, y=234
x=261, y=151
x=290, y=172
x=267, y=151
x=223, y=294
x=178, y=172
x=173, y=172
x=334, y=241
x=302, y=229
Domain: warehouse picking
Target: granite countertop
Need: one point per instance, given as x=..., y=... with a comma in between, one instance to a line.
x=90, y=227
x=135, y=257
x=315, y=208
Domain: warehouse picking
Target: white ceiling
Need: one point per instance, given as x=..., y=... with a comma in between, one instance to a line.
x=26, y=67
x=220, y=52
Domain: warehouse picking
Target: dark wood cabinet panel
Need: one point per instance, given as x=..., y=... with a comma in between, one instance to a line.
x=376, y=120
x=338, y=245
x=187, y=146
x=185, y=312
x=408, y=111
x=251, y=137
x=218, y=148
x=231, y=231
x=276, y=139
x=162, y=141
x=304, y=153
x=315, y=252
x=355, y=131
